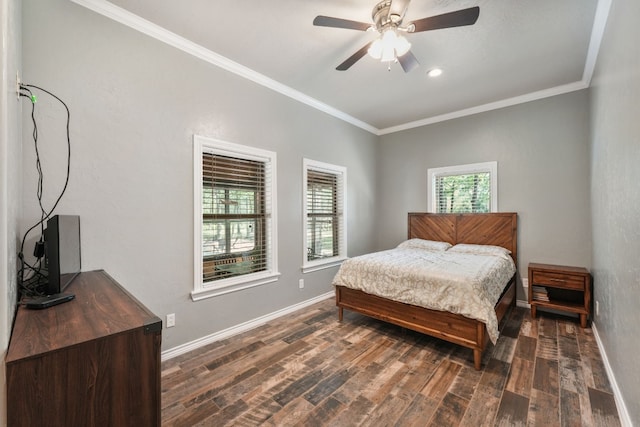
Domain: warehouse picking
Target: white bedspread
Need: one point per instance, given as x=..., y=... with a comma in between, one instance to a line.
x=461, y=283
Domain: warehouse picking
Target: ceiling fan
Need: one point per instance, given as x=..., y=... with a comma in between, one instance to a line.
x=391, y=45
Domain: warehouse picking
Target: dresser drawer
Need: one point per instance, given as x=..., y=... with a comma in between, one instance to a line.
x=562, y=280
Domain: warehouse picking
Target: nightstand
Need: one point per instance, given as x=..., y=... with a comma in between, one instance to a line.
x=561, y=288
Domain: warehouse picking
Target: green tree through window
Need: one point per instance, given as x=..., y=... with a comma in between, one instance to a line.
x=464, y=193
x=468, y=188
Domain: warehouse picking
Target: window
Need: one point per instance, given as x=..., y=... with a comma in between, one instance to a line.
x=464, y=188
x=234, y=217
x=324, y=217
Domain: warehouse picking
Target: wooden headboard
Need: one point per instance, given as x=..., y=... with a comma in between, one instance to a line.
x=499, y=229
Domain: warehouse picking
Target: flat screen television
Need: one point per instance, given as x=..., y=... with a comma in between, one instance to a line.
x=62, y=252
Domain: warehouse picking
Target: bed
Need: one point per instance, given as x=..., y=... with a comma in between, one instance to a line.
x=495, y=229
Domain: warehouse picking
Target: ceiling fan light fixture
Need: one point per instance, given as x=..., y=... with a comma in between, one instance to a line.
x=389, y=38
x=402, y=45
x=388, y=53
x=375, y=50
x=389, y=46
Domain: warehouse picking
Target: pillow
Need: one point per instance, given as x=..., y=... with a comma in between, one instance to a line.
x=480, y=249
x=429, y=245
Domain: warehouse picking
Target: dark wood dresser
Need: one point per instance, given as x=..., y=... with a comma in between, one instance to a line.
x=93, y=361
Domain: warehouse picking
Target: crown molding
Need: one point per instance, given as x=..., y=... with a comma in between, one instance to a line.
x=144, y=26
x=118, y=14
x=597, y=32
x=533, y=96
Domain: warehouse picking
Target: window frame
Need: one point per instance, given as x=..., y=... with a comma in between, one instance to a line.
x=202, y=289
x=341, y=175
x=434, y=173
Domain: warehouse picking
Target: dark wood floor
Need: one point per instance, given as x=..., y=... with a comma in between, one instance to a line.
x=308, y=369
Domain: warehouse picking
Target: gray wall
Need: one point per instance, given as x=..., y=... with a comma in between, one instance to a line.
x=543, y=174
x=10, y=177
x=136, y=104
x=615, y=197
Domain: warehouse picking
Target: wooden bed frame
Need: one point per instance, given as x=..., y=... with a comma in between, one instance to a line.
x=498, y=229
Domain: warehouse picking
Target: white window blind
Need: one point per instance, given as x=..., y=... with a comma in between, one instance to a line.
x=233, y=216
x=322, y=215
x=465, y=188
x=235, y=238
x=325, y=226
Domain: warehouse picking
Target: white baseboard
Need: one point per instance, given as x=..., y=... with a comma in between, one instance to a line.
x=623, y=413
x=525, y=303
x=243, y=327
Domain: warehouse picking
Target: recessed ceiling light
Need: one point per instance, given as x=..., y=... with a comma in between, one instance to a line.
x=434, y=72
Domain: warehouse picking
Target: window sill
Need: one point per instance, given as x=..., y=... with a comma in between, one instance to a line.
x=321, y=265
x=234, y=285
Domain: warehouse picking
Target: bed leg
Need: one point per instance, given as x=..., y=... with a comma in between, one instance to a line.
x=339, y=314
x=477, y=359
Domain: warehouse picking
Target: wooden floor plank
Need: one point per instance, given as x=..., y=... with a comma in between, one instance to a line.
x=545, y=376
x=512, y=324
x=372, y=389
x=290, y=415
x=327, y=387
x=570, y=409
x=309, y=369
x=419, y=412
x=505, y=349
x=548, y=326
x=466, y=382
x=298, y=387
x=354, y=414
x=603, y=407
x=439, y=383
x=450, y=411
x=387, y=412
x=568, y=347
x=544, y=410
x=526, y=347
x=513, y=410
x=529, y=327
x=547, y=347
x=254, y=386
x=520, y=376
x=481, y=410
x=571, y=375
x=599, y=374
x=494, y=377
x=352, y=389
x=323, y=413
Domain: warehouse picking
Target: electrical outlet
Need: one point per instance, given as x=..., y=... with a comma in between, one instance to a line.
x=171, y=320
x=301, y=283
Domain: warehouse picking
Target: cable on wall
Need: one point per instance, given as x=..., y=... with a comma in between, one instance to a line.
x=32, y=276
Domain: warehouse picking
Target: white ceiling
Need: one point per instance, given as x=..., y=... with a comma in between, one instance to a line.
x=517, y=51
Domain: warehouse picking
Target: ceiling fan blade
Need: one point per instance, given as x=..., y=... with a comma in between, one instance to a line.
x=408, y=61
x=447, y=20
x=398, y=8
x=353, y=58
x=328, y=21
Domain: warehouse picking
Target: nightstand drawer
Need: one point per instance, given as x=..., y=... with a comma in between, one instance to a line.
x=566, y=281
